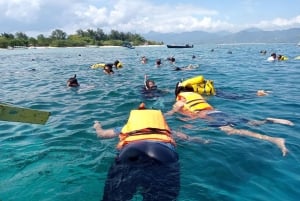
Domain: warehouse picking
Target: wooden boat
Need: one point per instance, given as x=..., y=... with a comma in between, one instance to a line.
x=180, y=46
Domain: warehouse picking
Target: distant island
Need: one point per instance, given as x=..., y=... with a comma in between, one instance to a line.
x=81, y=38
x=252, y=35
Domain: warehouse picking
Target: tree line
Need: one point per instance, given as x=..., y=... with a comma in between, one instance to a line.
x=59, y=38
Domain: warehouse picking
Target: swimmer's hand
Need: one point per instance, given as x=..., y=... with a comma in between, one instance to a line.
x=108, y=133
x=169, y=113
x=190, y=139
x=262, y=93
x=97, y=125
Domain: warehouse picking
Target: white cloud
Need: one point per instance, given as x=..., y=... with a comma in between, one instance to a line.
x=278, y=23
x=20, y=10
x=136, y=16
x=142, y=16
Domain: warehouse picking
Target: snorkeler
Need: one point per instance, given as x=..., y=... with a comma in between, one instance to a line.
x=108, y=69
x=147, y=160
x=73, y=82
x=149, y=84
x=194, y=105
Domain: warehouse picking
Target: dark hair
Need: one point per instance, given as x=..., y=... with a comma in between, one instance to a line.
x=72, y=82
x=179, y=89
x=158, y=61
x=116, y=62
x=148, y=87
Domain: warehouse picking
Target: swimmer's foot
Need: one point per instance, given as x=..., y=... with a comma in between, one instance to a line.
x=280, y=142
x=280, y=121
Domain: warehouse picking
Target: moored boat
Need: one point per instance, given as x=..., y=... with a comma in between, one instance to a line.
x=180, y=46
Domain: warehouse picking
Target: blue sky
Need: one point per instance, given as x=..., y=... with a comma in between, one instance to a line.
x=35, y=17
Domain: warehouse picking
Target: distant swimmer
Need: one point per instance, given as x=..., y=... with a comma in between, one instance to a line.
x=108, y=69
x=73, y=82
x=263, y=52
x=189, y=67
x=158, y=62
x=144, y=60
x=272, y=57
x=171, y=59
x=149, y=84
x=282, y=58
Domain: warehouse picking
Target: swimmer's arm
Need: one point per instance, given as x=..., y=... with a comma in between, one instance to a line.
x=145, y=80
x=176, y=107
x=189, y=138
x=104, y=133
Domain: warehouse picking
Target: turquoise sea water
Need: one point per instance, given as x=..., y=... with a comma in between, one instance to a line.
x=64, y=159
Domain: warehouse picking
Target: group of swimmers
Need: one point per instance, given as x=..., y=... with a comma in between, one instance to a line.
x=278, y=57
x=147, y=159
x=158, y=62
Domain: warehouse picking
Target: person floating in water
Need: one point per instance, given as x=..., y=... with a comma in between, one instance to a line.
x=147, y=159
x=263, y=52
x=144, y=60
x=273, y=57
x=193, y=105
x=189, y=67
x=171, y=59
x=73, y=82
x=150, y=89
x=108, y=69
x=149, y=84
x=158, y=62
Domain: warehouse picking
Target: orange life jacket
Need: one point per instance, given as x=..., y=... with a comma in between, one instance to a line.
x=145, y=125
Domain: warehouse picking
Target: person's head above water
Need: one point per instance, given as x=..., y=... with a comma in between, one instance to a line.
x=150, y=85
x=158, y=62
x=73, y=82
x=142, y=106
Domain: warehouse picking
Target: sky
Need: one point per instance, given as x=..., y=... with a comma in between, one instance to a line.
x=34, y=17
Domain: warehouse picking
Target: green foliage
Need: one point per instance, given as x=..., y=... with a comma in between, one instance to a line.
x=3, y=42
x=59, y=38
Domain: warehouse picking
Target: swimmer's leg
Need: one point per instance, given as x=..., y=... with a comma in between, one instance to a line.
x=280, y=142
x=272, y=120
x=119, y=185
x=161, y=182
x=280, y=121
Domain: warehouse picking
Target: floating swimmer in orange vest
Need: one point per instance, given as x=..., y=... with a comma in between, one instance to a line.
x=194, y=105
x=147, y=159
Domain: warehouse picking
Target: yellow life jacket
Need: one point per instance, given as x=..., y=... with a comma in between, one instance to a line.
x=96, y=66
x=199, y=85
x=119, y=65
x=283, y=58
x=145, y=125
x=194, y=102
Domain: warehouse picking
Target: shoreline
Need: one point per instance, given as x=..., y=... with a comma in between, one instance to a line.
x=92, y=46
